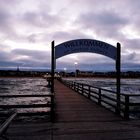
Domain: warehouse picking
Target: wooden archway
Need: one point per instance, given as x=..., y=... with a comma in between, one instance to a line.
x=88, y=45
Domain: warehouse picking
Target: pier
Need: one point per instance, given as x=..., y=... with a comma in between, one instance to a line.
x=77, y=118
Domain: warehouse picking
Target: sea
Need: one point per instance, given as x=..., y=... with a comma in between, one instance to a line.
x=38, y=86
x=24, y=86
x=128, y=85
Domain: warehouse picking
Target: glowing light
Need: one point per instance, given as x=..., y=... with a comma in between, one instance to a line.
x=65, y=69
x=75, y=63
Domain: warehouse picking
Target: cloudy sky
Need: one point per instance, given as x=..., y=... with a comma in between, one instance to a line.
x=27, y=28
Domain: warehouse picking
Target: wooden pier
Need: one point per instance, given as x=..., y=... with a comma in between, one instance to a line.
x=77, y=118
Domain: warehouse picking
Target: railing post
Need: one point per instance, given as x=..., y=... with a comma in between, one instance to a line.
x=82, y=88
x=78, y=87
x=118, y=105
x=70, y=84
x=4, y=126
x=89, y=92
x=52, y=67
x=52, y=108
x=126, y=111
x=118, y=76
x=74, y=86
x=99, y=99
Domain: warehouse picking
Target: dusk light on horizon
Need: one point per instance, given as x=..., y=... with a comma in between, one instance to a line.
x=27, y=28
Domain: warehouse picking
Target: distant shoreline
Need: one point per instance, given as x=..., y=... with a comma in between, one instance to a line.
x=21, y=77
x=96, y=77
x=101, y=77
x=76, y=74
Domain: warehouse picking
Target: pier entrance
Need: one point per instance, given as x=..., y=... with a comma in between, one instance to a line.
x=92, y=46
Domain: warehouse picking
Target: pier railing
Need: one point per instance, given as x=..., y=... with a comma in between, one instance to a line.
x=129, y=106
x=48, y=104
x=5, y=125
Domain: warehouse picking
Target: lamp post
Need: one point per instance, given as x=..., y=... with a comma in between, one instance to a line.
x=65, y=69
x=75, y=63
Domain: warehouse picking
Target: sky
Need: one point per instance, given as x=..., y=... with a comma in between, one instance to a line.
x=27, y=28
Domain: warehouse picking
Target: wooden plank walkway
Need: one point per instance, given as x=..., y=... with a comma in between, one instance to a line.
x=77, y=118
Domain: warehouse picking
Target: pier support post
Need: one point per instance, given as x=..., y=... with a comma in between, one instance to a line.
x=52, y=68
x=126, y=112
x=52, y=115
x=118, y=75
x=52, y=81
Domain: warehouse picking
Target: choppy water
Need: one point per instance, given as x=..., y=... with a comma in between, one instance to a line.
x=129, y=86
x=22, y=86
x=31, y=86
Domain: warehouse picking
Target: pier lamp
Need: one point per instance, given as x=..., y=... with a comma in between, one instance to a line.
x=65, y=69
x=75, y=63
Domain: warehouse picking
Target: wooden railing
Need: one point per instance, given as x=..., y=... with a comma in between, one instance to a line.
x=49, y=104
x=4, y=126
x=128, y=106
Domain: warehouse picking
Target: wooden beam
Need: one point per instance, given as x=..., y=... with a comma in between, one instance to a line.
x=5, y=125
x=25, y=106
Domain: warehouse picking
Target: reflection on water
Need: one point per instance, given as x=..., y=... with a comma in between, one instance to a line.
x=22, y=86
x=127, y=85
x=33, y=86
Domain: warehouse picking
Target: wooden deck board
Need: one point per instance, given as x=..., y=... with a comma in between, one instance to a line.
x=77, y=118
x=30, y=131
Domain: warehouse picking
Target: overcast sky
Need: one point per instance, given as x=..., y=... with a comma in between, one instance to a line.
x=27, y=28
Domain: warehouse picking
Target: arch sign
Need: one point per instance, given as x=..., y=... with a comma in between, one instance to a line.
x=85, y=45
x=88, y=45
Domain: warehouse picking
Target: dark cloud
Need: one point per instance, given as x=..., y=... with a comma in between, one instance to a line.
x=8, y=19
x=39, y=38
x=130, y=66
x=72, y=34
x=87, y=66
x=32, y=54
x=105, y=23
x=98, y=67
x=5, y=22
x=7, y=59
x=129, y=57
x=42, y=17
x=5, y=54
x=18, y=24
x=91, y=61
x=38, y=19
x=131, y=44
x=23, y=57
x=32, y=58
x=9, y=64
x=32, y=38
x=29, y=21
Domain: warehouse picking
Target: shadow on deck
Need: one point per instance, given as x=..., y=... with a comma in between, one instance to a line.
x=77, y=118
